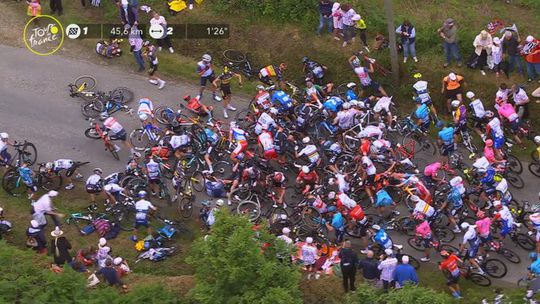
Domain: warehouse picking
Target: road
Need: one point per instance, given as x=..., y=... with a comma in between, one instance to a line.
x=35, y=105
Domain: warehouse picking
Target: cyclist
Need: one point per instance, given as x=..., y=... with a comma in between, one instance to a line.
x=224, y=82
x=315, y=94
x=150, y=53
x=307, y=179
x=27, y=176
x=411, y=180
x=375, y=131
x=535, y=225
x=281, y=143
x=430, y=174
x=502, y=95
x=489, y=152
x=337, y=223
x=69, y=166
x=113, y=192
x=153, y=173
x=205, y=69
x=313, y=70
x=142, y=208
x=423, y=232
x=214, y=186
x=450, y=265
x=384, y=200
x=266, y=121
x=507, y=112
x=271, y=71
x=345, y=118
x=239, y=137
x=179, y=144
x=363, y=74
x=452, y=89
x=459, y=114
x=368, y=172
x=382, y=109
x=483, y=227
x=534, y=268
x=503, y=215
x=5, y=157
x=117, y=132
x=471, y=238
x=495, y=131
x=277, y=181
x=304, y=114
x=94, y=185
x=194, y=105
x=212, y=139
x=421, y=93
x=332, y=104
x=266, y=144
x=452, y=206
x=310, y=151
x=333, y=151
x=145, y=110
x=478, y=114
x=381, y=238
x=423, y=119
x=251, y=176
x=282, y=101
x=446, y=141
x=262, y=99
x=421, y=207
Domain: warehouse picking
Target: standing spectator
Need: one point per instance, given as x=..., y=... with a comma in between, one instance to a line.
x=452, y=89
x=165, y=41
x=510, y=48
x=448, y=33
x=387, y=267
x=34, y=8
x=127, y=13
x=325, y=16
x=405, y=273
x=348, y=262
x=60, y=247
x=338, y=21
x=407, y=34
x=482, y=48
x=521, y=101
x=360, y=24
x=348, y=24
x=150, y=52
x=56, y=6
x=38, y=234
x=309, y=256
x=497, y=55
x=531, y=51
x=111, y=275
x=44, y=206
x=136, y=43
x=370, y=270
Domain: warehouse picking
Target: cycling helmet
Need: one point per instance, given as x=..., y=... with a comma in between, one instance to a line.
x=331, y=195
x=305, y=59
x=331, y=181
x=489, y=114
x=4, y=135
x=278, y=177
x=285, y=230
x=537, y=139
x=49, y=165
x=356, y=63
x=141, y=193
x=417, y=75
x=489, y=143
x=136, y=154
x=283, y=216
x=260, y=88
x=415, y=198
x=327, y=144
x=470, y=95
x=274, y=111
x=305, y=169
x=232, y=124
x=361, y=104
x=497, y=178
x=376, y=227
x=351, y=85
x=413, y=179
x=346, y=106
x=455, y=103
x=497, y=203
x=143, y=116
x=98, y=171
x=206, y=58
x=220, y=202
x=444, y=253
x=305, y=140
x=187, y=97
x=533, y=256
x=382, y=126
x=480, y=214
x=309, y=240
x=332, y=209
x=465, y=225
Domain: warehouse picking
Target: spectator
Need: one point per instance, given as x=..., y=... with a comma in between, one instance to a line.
x=111, y=275
x=136, y=43
x=165, y=41
x=37, y=233
x=121, y=266
x=370, y=270
x=387, y=267
x=56, y=6
x=60, y=247
x=338, y=21
x=452, y=89
x=348, y=262
x=150, y=52
x=309, y=256
x=348, y=23
x=34, y=8
x=5, y=225
x=337, y=223
x=510, y=48
x=128, y=13
x=360, y=24
x=44, y=206
x=448, y=33
x=405, y=273
x=407, y=33
x=521, y=101
x=482, y=48
x=103, y=254
x=325, y=16
x=497, y=55
x=531, y=50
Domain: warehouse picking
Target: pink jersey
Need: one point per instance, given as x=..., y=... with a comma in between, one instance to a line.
x=507, y=111
x=431, y=169
x=489, y=154
x=423, y=230
x=482, y=226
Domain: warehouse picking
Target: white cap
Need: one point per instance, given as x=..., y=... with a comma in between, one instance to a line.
x=309, y=240
x=455, y=103
x=470, y=95
x=102, y=242
x=405, y=259
x=496, y=40
x=34, y=223
x=356, y=17
x=466, y=225
x=305, y=140
x=529, y=38
x=117, y=261
x=376, y=227
x=53, y=193
x=285, y=230
x=388, y=251
x=220, y=202
x=452, y=76
x=106, y=249
x=305, y=169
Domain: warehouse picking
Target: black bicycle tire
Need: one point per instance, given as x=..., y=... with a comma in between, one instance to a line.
x=518, y=167
x=407, y=229
x=254, y=206
x=491, y=268
x=449, y=248
x=91, y=133
x=534, y=168
x=228, y=56
x=515, y=180
x=92, y=109
x=308, y=220
x=412, y=242
x=127, y=95
x=87, y=88
x=44, y=183
x=447, y=232
x=138, y=146
x=185, y=207
x=200, y=185
x=477, y=279
x=10, y=176
x=32, y=160
x=222, y=169
x=163, y=119
x=510, y=256
x=525, y=242
x=190, y=166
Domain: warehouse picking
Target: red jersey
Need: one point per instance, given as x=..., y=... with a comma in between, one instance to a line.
x=193, y=104
x=311, y=177
x=450, y=264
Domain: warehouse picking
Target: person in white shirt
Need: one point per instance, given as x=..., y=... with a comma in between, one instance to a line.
x=44, y=206
x=345, y=118
x=5, y=157
x=309, y=256
x=285, y=236
x=478, y=114
x=205, y=69
x=165, y=40
x=497, y=55
x=69, y=166
x=94, y=184
x=117, y=132
x=310, y=151
x=114, y=192
x=266, y=121
x=142, y=208
x=348, y=23
x=521, y=101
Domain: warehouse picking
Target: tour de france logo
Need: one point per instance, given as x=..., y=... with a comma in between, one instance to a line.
x=43, y=35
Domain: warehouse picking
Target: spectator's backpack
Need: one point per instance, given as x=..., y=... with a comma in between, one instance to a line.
x=102, y=226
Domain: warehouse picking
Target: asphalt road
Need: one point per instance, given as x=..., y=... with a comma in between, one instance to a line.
x=35, y=105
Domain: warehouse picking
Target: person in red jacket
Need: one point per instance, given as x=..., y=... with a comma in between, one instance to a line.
x=531, y=52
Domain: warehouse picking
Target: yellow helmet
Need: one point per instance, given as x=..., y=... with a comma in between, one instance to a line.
x=417, y=75
x=497, y=178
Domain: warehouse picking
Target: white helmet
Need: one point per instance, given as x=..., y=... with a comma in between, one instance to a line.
x=206, y=58
x=537, y=139
x=274, y=111
x=232, y=124
x=331, y=195
x=305, y=140
x=305, y=169
x=470, y=95
x=351, y=85
x=4, y=135
x=346, y=106
x=415, y=198
x=260, y=87
x=455, y=103
x=220, y=202
x=143, y=116
x=382, y=126
x=309, y=240
x=376, y=227
x=489, y=114
x=285, y=230
x=465, y=225
x=413, y=179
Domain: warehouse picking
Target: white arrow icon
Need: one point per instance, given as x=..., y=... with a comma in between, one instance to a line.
x=157, y=31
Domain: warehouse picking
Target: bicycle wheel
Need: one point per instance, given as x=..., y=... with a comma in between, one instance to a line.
x=480, y=280
x=514, y=180
x=49, y=182
x=351, y=141
x=125, y=219
x=13, y=183
x=407, y=225
x=234, y=56
x=240, y=194
x=535, y=168
x=445, y=234
x=511, y=256
x=135, y=185
x=197, y=181
x=312, y=217
x=164, y=115
x=139, y=140
x=449, y=248
x=222, y=169
x=524, y=241
x=28, y=153
x=514, y=164
x=91, y=133
x=415, y=243
x=535, y=155
x=346, y=164
x=92, y=109
x=495, y=268
x=122, y=95
x=85, y=83
x=250, y=209
x=185, y=207
x=112, y=148
x=189, y=164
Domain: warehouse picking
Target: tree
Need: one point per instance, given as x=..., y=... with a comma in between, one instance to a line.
x=238, y=264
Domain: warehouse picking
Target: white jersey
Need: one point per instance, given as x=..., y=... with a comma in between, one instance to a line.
x=481, y=164
x=521, y=98
x=379, y=145
x=478, y=108
x=145, y=107
x=345, y=118
x=368, y=165
x=469, y=235
x=266, y=141
x=179, y=141
x=264, y=122
x=502, y=95
x=93, y=180
x=371, y=131
x=311, y=152
x=343, y=185
x=363, y=75
x=506, y=216
x=63, y=164
x=113, y=188
x=3, y=145
x=495, y=125
x=424, y=208
x=112, y=124
x=421, y=89
x=346, y=201
x=206, y=67
x=153, y=169
x=383, y=104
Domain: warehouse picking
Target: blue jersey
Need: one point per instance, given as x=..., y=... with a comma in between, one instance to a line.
x=211, y=136
x=333, y=104
x=26, y=175
x=383, y=239
x=383, y=198
x=338, y=222
x=535, y=267
x=422, y=112
x=351, y=95
x=454, y=197
x=284, y=101
x=447, y=135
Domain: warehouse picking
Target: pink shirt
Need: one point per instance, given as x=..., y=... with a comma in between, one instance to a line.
x=424, y=230
x=489, y=154
x=431, y=170
x=507, y=111
x=483, y=226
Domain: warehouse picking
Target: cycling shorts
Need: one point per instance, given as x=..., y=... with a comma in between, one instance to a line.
x=498, y=142
x=447, y=149
x=472, y=252
x=210, y=78
x=241, y=146
x=141, y=223
x=122, y=135
x=270, y=154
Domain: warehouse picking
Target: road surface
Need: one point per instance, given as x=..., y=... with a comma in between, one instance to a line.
x=35, y=105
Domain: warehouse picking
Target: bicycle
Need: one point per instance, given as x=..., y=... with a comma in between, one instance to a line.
x=184, y=192
x=96, y=132
x=104, y=105
x=13, y=184
x=82, y=87
x=534, y=166
x=24, y=152
x=145, y=137
x=240, y=63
